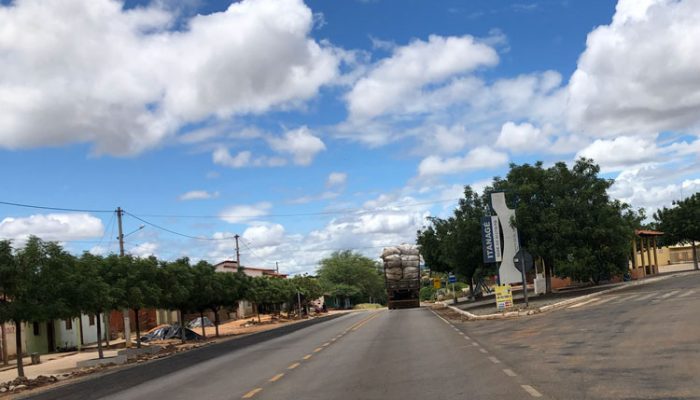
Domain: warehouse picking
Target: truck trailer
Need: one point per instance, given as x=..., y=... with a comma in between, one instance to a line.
x=402, y=276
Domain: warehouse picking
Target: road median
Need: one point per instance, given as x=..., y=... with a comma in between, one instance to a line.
x=558, y=305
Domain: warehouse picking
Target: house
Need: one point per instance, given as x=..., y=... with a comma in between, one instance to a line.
x=55, y=335
x=245, y=308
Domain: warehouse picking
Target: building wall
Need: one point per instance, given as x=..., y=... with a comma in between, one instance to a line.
x=10, y=336
x=681, y=254
x=36, y=343
x=67, y=335
x=90, y=331
x=663, y=254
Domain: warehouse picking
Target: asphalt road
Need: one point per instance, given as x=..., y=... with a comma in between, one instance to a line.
x=398, y=354
x=638, y=343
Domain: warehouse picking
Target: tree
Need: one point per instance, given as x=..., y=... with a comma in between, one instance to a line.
x=681, y=223
x=206, y=288
x=95, y=294
x=135, y=281
x=21, y=291
x=176, y=286
x=454, y=244
x=566, y=217
x=351, y=276
x=8, y=283
x=308, y=287
x=231, y=291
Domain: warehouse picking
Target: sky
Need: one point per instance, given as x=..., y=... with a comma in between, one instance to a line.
x=310, y=127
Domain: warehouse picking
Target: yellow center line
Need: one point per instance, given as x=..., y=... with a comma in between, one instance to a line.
x=293, y=366
x=365, y=321
x=276, y=377
x=316, y=350
x=251, y=393
x=306, y=357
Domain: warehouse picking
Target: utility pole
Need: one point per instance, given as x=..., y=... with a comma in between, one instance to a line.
x=125, y=312
x=238, y=252
x=277, y=267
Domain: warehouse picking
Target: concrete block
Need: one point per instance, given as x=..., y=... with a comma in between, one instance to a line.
x=134, y=352
x=120, y=359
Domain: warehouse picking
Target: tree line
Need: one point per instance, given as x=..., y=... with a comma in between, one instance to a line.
x=564, y=216
x=42, y=282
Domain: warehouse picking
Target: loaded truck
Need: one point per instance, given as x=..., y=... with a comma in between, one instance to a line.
x=402, y=276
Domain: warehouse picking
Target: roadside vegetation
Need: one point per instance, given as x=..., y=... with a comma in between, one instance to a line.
x=41, y=282
x=565, y=218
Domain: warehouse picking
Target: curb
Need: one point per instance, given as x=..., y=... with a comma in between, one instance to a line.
x=563, y=303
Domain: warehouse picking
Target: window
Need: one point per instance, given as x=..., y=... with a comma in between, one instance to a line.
x=69, y=324
x=91, y=318
x=35, y=326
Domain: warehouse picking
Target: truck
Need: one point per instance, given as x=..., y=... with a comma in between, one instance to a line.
x=402, y=276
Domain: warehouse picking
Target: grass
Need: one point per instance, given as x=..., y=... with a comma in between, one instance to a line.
x=367, y=306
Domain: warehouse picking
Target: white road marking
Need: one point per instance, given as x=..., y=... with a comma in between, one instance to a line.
x=483, y=350
x=605, y=300
x=624, y=299
x=461, y=333
x=509, y=372
x=443, y=319
x=531, y=390
x=688, y=293
x=645, y=297
x=475, y=344
x=494, y=360
x=583, y=304
x=669, y=294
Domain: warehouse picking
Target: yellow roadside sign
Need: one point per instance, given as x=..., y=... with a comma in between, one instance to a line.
x=436, y=283
x=504, y=297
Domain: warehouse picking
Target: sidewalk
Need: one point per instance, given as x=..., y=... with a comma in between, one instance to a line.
x=51, y=364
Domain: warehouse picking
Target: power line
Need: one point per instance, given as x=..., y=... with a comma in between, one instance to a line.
x=252, y=251
x=7, y=203
x=329, y=212
x=175, y=232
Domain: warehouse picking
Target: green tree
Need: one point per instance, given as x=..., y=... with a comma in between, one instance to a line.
x=135, y=281
x=95, y=294
x=22, y=298
x=309, y=289
x=351, y=276
x=681, y=223
x=206, y=288
x=176, y=286
x=565, y=216
x=229, y=291
x=454, y=244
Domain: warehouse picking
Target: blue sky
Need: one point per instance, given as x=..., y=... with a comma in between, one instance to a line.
x=324, y=125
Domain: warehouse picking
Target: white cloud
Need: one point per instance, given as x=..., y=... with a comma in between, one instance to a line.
x=300, y=143
x=92, y=71
x=623, y=151
x=198, y=195
x=145, y=249
x=264, y=235
x=411, y=67
x=521, y=138
x=222, y=156
x=639, y=75
x=52, y=227
x=336, y=179
x=480, y=157
x=653, y=186
x=243, y=212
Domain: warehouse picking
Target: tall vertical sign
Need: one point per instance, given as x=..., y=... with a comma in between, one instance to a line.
x=507, y=271
x=491, y=239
